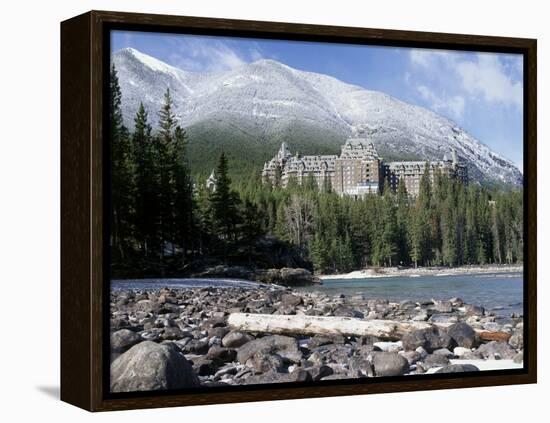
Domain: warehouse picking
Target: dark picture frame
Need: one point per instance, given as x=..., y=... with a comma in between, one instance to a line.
x=84, y=201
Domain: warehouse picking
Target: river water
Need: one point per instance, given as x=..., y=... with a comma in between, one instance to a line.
x=498, y=292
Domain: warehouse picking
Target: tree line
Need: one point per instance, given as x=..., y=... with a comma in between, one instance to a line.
x=164, y=220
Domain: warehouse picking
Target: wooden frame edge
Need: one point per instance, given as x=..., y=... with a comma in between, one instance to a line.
x=82, y=209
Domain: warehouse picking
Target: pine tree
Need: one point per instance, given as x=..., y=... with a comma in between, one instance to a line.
x=146, y=181
x=402, y=222
x=122, y=178
x=175, y=186
x=251, y=228
x=183, y=201
x=224, y=206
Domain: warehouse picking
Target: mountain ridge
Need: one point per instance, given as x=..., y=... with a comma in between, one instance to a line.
x=267, y=100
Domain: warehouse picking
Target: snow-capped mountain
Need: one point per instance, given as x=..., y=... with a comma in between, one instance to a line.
x=267, y=101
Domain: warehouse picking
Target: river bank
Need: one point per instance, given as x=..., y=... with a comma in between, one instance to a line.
x=395, y=272
x=172, y=338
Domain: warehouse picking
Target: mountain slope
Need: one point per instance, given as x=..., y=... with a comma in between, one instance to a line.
x=256, y=106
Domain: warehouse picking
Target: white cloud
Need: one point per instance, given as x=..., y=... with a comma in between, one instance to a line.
x=201, y=55
x=451, y=105
x=476, y=76
x=486, y=78
x=432, y=60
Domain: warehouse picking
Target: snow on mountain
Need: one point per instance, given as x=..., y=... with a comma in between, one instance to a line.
x=268, y=96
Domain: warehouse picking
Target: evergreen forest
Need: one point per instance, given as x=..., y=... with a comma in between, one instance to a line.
x=165, y=220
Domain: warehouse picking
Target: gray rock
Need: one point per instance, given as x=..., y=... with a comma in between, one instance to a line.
x=458, y=368
x=148, y=306
x=263, y=362
x=218, y=332
x=442, y=307
x=496, y=350
x=123, y=339
x=172, y=333
x=518, y=358
x=291, y=300
x=389, y=364
x=474, y=310
x=148, y=366
x=196, y=346
x=516, y=340
x=443, y=318
x=300, y=375
x=319, y=340
x=444, y=352
x=221, y=355
x=344, y=311
x=235, y=339
x=319, y=372
x=203, y=366
x=430, y=339
x=460, y=351
x=285, y=346
x=463, y=335
x=456, y=302
x=360, y=367
x=434, y=360
x=411, y=356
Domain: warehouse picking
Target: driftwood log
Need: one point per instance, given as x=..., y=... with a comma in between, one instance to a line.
x=320, y=325
x=348, y=326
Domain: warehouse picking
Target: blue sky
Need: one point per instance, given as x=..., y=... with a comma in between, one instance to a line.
x=482, y=92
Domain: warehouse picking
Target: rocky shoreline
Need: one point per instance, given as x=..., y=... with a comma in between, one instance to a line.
x=181, y=338
x=396, y=272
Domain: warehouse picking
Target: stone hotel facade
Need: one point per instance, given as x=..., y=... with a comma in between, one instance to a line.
x=357, y=171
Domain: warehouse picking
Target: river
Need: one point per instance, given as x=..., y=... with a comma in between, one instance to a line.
x=501, y=293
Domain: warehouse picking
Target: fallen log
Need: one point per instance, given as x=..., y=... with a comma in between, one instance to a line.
x=322, y=325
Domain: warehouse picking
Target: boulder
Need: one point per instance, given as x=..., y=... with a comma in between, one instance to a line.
x=388, y=346
x=444, y=352
x=287, y=276
x=235, y=339
x=458, y=368
x=263, y=362
x=441, y=307
x=463, y=335
x=474, y=310
x=460, y=351
x=496, y=350
x=435, y=360
x=389, y=364
x=360, y=367
x=411, y=356
x=219, y=332
x=195, y=346
x=518, y=358
x=516, y=340
x=203, y=366
x=285, y=346
x=221, y=355
x=319, y=372
x=299, y=375
x=430, y=339
x=148, y=366
x=124, y=339
x=291, y=300
x=173, y=333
